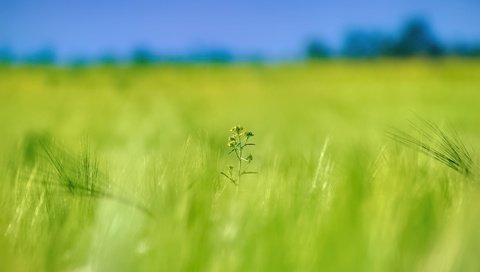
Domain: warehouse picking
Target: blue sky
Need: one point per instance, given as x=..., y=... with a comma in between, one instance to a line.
x=271, y=27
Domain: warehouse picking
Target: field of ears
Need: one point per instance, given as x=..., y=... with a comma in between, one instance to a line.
x=328, y=166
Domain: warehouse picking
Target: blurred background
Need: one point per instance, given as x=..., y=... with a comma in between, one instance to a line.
x=100, y=128
x=85, y=32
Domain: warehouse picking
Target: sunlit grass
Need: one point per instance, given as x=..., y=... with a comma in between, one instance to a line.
x=117, y=168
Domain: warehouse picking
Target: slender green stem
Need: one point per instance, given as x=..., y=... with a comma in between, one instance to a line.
x=230, y=178
x=240, y=157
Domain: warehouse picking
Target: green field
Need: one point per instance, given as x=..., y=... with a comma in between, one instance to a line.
x=118, y=168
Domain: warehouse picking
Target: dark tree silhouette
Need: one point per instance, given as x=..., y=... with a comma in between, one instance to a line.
x=465, y=50
x=417, y=39
x=210, y=56
x=317, y=49
x=6, y=56
x=361, y=44
x=108, y=58
x=45, y=56
x=143, y=56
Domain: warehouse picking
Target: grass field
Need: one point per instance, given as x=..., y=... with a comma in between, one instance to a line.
x=118, y=168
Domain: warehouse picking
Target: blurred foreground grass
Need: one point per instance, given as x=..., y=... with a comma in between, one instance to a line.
x=156, y=136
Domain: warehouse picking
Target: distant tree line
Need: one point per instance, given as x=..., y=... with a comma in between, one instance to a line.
x=415, y=39
x=138, y=56
x=42, y=56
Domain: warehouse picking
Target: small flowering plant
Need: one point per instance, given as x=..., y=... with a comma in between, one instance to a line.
x=238, y=141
